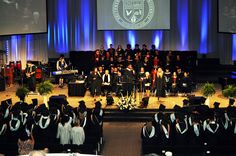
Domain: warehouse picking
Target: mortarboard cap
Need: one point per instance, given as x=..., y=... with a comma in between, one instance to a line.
x=177, y=108
x=216, y=105
x=162, y=107
x=185, y=102
x=231, y=102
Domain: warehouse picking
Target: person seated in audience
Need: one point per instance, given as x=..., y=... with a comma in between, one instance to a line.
x=37, y=153
x=3, y=134
x=181, y=130
x=195, y=133
x=148, y=133
x=77, y=134
x=15, y=125
x=64, y=130
x=158, y=117
x=25, y=142
x=106, y=82
x=211, y=130
x=97, y=120
x=165, y=132
x=42, y=130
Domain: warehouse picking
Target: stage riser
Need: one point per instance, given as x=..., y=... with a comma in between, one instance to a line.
x=141, y=115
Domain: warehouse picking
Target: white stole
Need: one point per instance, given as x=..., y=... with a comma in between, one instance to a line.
x=179, y=129
x=151, y=134
x=210, y=129
x=46, y=124
x=196, y=129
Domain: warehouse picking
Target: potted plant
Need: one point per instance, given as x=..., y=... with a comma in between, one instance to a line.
x=208, y=89
x=21, y=93
x=229, y=92
x=44, y=88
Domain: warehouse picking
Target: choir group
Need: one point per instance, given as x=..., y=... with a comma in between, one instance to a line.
x=149, y=71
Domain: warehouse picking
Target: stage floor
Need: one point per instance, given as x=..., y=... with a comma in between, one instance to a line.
x=169, y=102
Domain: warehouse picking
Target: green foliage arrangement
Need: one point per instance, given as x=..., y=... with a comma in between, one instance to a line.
x=229, y=91
x=21, y=92
x=45, y=87
x=208, y=89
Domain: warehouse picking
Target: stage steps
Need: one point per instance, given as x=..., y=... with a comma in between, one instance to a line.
x=136, y=115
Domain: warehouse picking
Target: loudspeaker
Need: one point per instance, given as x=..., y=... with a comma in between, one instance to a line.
x=109, y=99
x=196, y=100
x=57, y=101
x=145, y=101
x=2, y=84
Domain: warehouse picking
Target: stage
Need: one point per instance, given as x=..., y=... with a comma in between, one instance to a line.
x=169, y=102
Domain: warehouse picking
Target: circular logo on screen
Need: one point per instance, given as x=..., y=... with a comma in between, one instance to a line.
x=133, y=14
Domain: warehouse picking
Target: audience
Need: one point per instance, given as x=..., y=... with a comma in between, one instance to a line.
x=53, y=129
x=192, y=129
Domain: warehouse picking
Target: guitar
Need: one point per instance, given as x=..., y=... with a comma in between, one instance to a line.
x=29, y=74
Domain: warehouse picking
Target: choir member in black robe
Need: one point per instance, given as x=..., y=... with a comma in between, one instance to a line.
x=153, y=50
x=129, y=51
x=111, y=50
x=144, y=50
x=147, y=84
x=185, y=84
x=160, y=84
x=96, y=83
x=120, y=51
x=97, y=58
x=102, y=50
x=140, y=77
x=129, y=80
x=106, y=82
x=136, y=49
x=118, y=81
x=168, y=75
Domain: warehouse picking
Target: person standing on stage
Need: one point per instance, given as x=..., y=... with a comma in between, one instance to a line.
x=61, y=65
x=30, y=76
x=96, y=83
x=129, y=79
x=160, y=83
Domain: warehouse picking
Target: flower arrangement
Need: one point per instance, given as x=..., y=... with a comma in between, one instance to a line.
x=126, y=103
